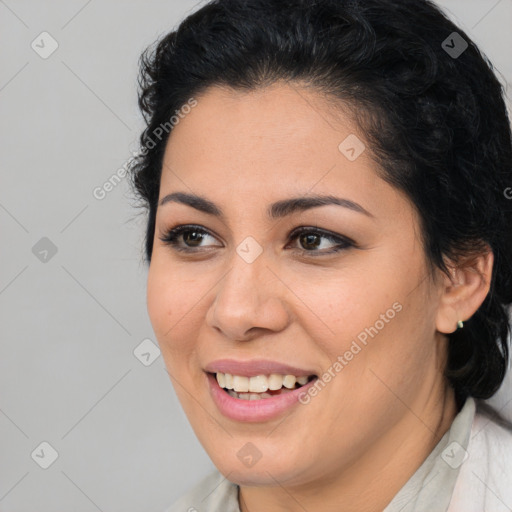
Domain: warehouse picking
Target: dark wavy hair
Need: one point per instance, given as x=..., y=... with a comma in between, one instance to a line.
x=432, y=112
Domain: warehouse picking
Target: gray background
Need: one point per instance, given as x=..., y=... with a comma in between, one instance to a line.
x=70, y=321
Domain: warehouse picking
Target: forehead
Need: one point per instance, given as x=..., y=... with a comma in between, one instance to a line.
x=267, y=144
x=258, y=131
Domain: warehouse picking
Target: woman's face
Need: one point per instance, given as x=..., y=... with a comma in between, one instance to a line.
x=245, y=296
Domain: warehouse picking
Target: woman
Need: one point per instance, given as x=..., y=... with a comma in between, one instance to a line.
x=329, y=252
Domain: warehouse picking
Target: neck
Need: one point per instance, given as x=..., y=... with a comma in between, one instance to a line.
x=371, y=482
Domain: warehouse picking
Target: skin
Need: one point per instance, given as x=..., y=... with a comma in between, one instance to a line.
x=361, y=438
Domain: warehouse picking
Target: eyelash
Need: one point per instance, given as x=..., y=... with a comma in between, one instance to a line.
x=171, y=238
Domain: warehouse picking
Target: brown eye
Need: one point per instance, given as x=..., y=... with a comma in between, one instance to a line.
x=192, y=237
x=312, y=243
x=187, y=238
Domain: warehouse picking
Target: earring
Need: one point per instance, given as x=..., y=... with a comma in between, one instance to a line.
x=460, y=324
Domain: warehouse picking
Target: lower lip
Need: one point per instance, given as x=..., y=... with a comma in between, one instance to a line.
x=254, y=410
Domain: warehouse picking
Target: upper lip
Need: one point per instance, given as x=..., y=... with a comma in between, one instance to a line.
x=255, y=367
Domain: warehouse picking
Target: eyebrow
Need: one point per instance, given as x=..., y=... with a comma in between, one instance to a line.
x=276, y=210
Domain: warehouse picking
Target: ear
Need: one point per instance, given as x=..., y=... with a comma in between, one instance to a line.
x=464, y=290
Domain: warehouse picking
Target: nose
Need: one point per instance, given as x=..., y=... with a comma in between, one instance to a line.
x=250, y=301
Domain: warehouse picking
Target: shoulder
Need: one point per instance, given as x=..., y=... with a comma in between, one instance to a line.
x=486, y=471
x=491, y=436
x=214, y=493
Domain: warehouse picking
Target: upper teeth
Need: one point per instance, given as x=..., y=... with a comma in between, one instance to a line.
x=259, y=383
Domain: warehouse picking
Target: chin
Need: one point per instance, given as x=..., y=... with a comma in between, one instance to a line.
x=266, y=471
x=254, y=477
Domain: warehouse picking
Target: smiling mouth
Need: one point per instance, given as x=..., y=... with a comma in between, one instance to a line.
x=260, y=387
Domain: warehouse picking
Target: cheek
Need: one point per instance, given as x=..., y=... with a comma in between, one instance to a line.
x=340, y=305
x=172, y=306
x=160, y=299
x=385, y=346
x=374, y=315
